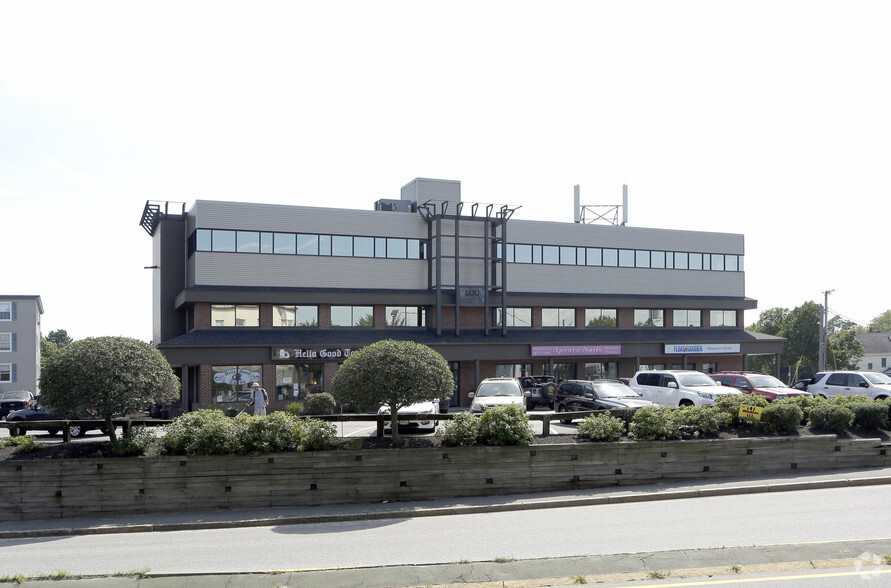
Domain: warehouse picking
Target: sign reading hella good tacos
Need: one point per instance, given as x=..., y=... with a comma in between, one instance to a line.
x=312, y=353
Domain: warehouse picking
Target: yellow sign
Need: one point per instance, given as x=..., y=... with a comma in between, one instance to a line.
x=750, y=412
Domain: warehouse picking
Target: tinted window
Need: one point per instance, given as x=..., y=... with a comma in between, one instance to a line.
x=837, y=380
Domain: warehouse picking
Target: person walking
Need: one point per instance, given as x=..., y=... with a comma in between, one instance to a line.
x=259, y=398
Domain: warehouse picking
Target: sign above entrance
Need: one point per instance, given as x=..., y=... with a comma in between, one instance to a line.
x=561, y=350
x=324, y=353
x=471, y=296
x=702, y=348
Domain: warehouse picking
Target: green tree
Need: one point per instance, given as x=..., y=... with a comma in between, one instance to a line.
x=60, y=338
x=109, y=375
x=48, y=350
x=881, y=324
x=395, y=373
x=770, y=322
x=801, y=329
x=845, y=351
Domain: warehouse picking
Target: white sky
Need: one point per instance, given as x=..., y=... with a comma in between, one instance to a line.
x=769, y=119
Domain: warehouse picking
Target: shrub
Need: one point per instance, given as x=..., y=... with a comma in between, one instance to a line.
x=779, y=418
x=870, y=415
x=461, y=431
x=231, y=411
x=294, y=408
x=601, y=427
x=831, y=417
x=202, y=432
x=730, y=404
x=701, y=420
x=316, y=435
x=319, y=403
x=137, y=440
x=505, y=425
x=22, y=444
x=654, y=422
x=805, y=403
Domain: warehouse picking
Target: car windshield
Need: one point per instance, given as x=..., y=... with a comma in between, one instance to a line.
x=766, y=382
x=696, y=380
x=14, y=396
x=877, y=378
x=499, y=389
x=614, y=390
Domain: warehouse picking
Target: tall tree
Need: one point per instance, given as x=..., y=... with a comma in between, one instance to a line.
x=395, y=373
x=801, y=329
x=109, y=375
x=845, y=351
x=48, y=351
x=881, y=324
x=60, y=338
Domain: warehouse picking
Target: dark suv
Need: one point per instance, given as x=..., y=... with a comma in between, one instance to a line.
x=573, y=395
x=542, y=390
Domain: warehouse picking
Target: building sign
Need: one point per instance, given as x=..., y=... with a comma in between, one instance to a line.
x=471, y=296
x=702, y=348
x=303, y=353
x=237, y=377
x=561, y=350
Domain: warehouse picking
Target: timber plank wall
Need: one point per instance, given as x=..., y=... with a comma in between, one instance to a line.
x=34, y=489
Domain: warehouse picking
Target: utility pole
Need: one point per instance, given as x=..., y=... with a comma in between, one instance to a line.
x=824, y=323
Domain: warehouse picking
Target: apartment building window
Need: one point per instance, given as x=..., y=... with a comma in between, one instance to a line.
x=558, y=317
x=687, y=318
x=516, y=317
x=600, y=317
x=5, y=311
x=352, y=316
x=5, y=372
x=232, y=383
x=406, y=316
x=722, y=318
x=649, y=317
x=234, y=315
x=5, y=341
x=295, y=316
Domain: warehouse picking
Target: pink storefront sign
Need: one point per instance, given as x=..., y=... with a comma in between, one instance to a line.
x=563, y=350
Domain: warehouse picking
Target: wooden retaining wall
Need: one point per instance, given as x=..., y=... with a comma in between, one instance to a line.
x=34, y=489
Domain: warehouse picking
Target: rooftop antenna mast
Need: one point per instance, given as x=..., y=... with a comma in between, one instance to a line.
x=604, y=213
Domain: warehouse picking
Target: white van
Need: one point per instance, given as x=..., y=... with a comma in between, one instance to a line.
x=678, y=387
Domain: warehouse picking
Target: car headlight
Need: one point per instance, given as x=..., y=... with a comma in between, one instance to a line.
x=476, y=407
x=708, y=395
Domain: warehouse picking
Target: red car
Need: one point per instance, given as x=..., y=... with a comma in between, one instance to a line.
x=761, y=384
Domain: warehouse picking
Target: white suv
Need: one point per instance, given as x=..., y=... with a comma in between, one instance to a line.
x=830, y=384
x=498, y=391
x=679, y=387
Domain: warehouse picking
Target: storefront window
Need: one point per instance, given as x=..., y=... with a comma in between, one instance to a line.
x=600, y=317
x=558, y=317
x=687, y=318
x=234, y=315
x=513, y=370
x=352, y=316
x=648, y=317
x=296, y=382
x=232, y=383
x=405, y=316
x=722, y=318
x=563, y=371
x=602, y=370
x=516, y=317
x=295, y=316
x=710, y=367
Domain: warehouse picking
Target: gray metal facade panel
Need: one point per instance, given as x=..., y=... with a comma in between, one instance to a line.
x=569, y=279
x=306, y=219
x=557, y=233
x=308, y=271
x=423, y=189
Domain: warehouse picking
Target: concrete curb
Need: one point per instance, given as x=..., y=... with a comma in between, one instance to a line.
x=446, y=511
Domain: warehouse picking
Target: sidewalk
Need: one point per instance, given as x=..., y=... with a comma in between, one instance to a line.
x=214, y=519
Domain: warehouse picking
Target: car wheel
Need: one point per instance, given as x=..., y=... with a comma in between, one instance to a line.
x=530, y=404
x=562, y=408
x=52, y=432
x=882, y=397
x=77, y=431
x=14, y=432
x=686, y=403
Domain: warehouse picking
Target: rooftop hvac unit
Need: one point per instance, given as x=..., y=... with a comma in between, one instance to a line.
x=390, y=205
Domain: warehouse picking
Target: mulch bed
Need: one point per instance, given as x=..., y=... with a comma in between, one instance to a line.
x=94, y=449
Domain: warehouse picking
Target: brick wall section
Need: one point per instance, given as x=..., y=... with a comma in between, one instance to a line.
x=202, y=315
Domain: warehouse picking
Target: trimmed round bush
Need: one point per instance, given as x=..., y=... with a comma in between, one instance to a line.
x=730, y=404
x=870, y=415
x=316, y=435
x=203, y=432
x=780, y=418
x=831, y=417
x=805, y=403
x=654, y=422
x=320, y=403
x=505, y=425
x=699, y=421
x=601, y=427
x=294, y=408
x=135, y=441
x=461, y=431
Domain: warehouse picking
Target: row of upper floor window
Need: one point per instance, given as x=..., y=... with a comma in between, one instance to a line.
x=5, y=311
x=248, y=315
x=231, y=241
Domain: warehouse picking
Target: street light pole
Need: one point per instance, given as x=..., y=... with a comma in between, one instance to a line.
x=824, y=323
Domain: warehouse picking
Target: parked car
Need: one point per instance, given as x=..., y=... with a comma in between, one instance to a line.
x=34, y=416
x=498, y=391
x=678, y=387
x=764, y=385
x=801, y=384
x=542, y=390
x=420, y=409
x=830, y=384
x=15, y=400
x=573, y=395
